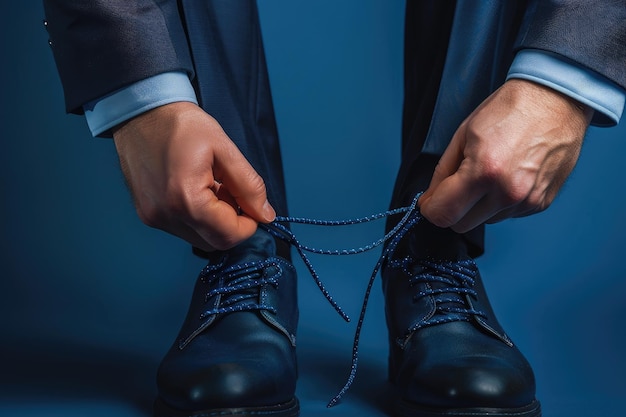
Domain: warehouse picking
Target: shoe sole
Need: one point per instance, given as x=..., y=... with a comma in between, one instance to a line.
x=406, y=409
x=288, y=409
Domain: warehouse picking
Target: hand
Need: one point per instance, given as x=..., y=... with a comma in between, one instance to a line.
x=189, y=179
x=509, y=158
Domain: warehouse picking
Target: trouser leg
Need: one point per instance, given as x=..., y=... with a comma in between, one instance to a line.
x=233, y=85
x=456, y=54
x=424, y=64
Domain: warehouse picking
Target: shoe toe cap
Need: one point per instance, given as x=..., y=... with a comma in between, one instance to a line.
x=225, y=385
x=471, y=382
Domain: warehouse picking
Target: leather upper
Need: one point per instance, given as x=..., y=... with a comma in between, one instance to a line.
x=242, y=358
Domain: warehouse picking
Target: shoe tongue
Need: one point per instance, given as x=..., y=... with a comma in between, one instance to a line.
x=450, y=299
x=431, y=242
x=242, y=263
x=257, y=248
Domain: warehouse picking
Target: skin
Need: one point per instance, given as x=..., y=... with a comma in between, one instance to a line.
x=509, y=158
x=189, y=179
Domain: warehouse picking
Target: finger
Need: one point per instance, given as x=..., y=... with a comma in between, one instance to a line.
x=453, y=198
x=187, y=233
x=515, y=212
x=203, y=239
x=223, y=194
x=488, y=209
x=246, y=187
x=448, y=164
x=179, y=227
x=219, y=223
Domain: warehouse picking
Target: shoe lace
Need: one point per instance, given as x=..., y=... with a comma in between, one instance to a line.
x=447, y=283
x=238, y=286
x=410, y=218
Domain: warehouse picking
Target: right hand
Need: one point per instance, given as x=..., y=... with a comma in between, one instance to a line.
x=189, y=179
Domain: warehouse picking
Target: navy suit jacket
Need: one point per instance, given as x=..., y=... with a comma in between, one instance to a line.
x=101, y=46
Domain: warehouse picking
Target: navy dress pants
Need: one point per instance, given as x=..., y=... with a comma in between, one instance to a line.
x=452, y=63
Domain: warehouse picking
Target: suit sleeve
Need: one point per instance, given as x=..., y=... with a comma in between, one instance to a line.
x=101, y=46
x=590, y=33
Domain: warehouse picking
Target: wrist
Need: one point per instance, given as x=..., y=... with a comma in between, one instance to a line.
x=160, y=117
x=545, y=98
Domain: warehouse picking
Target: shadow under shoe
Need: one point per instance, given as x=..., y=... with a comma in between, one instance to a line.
x=235, y=354
x=449, y=356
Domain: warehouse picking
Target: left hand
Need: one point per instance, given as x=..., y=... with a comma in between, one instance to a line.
x=509, y=158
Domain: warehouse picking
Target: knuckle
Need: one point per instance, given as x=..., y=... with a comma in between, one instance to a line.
x=157, y=211
x=493, y=169
x=178, y=199
x=534, y=202
x=257, y=184
x=515, y=193
x=149, y=214
x=513, y=187
x=472, y=128
x=538, y=202
x=439, y=170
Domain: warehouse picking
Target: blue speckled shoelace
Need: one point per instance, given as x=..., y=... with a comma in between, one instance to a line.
x=461, y=275
x=240, y=285
x=446, y=283
x=237, y=287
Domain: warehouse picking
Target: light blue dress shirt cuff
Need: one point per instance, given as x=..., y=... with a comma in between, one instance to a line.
x=586, y=86
x=109, y=111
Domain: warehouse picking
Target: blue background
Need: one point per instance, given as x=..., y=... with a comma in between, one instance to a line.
x=90, y=299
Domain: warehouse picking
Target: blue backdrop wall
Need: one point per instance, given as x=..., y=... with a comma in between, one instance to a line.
x=90, y=298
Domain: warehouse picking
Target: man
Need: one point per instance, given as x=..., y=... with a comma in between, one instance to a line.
x=483, y=148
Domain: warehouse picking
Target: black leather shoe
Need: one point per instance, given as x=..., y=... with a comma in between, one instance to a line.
x=448, y=354
x=235, y=354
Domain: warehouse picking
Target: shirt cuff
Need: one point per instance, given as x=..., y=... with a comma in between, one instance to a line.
x=584, y=85
x=109, y=111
